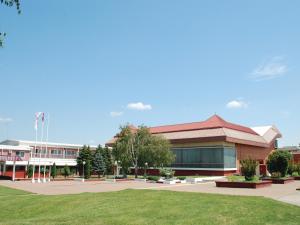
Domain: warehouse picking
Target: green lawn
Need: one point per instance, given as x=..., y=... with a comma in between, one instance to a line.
x=143, y=207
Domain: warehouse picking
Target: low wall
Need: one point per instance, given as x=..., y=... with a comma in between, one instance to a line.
x=155, y=172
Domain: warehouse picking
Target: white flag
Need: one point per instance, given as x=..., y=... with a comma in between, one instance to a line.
x=37, y=115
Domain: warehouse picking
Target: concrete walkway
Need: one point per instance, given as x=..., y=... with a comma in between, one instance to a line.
x=286, y=193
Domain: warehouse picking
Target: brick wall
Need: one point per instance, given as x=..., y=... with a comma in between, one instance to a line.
x=258, y=153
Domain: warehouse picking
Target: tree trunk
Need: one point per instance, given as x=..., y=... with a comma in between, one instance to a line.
x=136, y=171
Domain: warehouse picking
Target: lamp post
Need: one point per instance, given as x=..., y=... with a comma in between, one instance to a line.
x=83, y=170
x=50, y=168
x=116, y=169
x=146, y=166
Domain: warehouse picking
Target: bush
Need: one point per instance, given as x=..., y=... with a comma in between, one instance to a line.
x=295, y=174
x=166, y=172
x=181, y=177
x=249, y=168
x=278, y=162
x=276, y=175
x=53, y=171
x=297, y=168
x=154, y=178
x=291, y=168
x=66, y=171
x=29, y=171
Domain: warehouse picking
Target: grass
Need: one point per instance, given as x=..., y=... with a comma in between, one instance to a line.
x=235, y=178
x=143, y=207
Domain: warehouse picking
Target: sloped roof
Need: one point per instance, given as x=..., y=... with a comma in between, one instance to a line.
x=215, y=129
x=213, y=122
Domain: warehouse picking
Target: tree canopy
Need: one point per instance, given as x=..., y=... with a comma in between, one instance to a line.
x=135, y=147
x=9, y=3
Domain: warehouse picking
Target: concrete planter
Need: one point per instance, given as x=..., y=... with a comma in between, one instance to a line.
x=280, y=180
x=169, y=181
x=297, y=178
x=236, y=184
x=194, y=180
x=140, y=179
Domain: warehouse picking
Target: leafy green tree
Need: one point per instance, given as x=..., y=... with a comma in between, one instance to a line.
x=135, y=147
x=29, y=171
x=98, y=162
x=53, y=171
x=278, y=162
x=9, y=3
x=85, y=155
x=66, y=171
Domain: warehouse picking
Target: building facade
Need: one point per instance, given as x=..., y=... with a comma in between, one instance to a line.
x=17, y=155
x=215, y=146
x=294, y=150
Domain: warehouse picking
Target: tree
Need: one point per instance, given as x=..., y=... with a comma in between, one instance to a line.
x=107, y=156
x=98, y=162
x=85, y=155
x=9, y=3
x=66, y=171
x=135, y=147
x=159, y=152
x=278, y=162
x=87, y=169
x=29, y=171
x=53, y=171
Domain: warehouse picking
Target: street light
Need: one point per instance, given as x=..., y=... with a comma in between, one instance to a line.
x=146, y=166
x=83, y=170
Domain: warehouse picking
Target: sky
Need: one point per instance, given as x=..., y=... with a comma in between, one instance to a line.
x=93, y=66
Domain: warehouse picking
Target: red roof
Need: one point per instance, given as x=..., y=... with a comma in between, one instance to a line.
x=213, y=122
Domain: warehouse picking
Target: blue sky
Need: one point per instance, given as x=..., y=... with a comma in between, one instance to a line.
x=96, y=65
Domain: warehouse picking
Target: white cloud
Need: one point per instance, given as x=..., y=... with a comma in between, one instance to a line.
x=116, y=114
x=273, y=68
x=139, y=106
x=236, y=104
x=5, y=120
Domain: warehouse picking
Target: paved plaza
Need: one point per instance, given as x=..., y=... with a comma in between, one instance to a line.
x=286, y=193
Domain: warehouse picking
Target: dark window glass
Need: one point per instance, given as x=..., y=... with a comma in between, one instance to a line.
x=210, y=157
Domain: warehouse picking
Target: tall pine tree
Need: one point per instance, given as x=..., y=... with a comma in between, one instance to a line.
x=107, y=156
x=98, y=166
x=85, y=155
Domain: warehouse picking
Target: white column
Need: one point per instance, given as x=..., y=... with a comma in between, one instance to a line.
x=14, y=171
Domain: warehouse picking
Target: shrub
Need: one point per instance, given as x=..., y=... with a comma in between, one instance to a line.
x=181, y=177
x=276, y=175
x=297, y=168
x=166, y=172
x=295, y=174
x=66, y=171
x=53, y=171
x=29, y=171
x=291, y=168
x=154, y=178
x=278, y=161
x=249, y=168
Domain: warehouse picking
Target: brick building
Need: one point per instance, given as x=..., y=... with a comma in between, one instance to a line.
x=215, y=146
x=17, y=155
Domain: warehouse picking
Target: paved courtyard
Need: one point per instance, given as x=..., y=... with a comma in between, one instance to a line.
x=286, y=193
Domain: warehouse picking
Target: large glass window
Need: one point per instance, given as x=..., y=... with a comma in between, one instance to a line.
x=205, y=157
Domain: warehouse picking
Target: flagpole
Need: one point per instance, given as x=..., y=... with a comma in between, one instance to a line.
x=42, y=136
x=33, y=168
x=47, y=136
x=36, y=132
